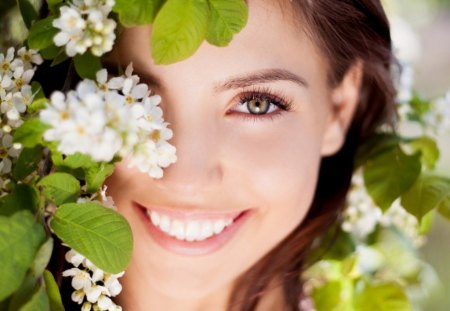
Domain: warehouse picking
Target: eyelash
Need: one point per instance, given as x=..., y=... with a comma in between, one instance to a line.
x=265, y=93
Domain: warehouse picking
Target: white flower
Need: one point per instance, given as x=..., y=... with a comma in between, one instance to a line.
x=12, y=105
x=92, y=284
x=85, y=25
x=112, y=284
x=397, y=216
x=86, y=306
x=104, y=85
x=438, y=118
x=79, y=123
x=9, y=152
x=369, y=258
x=145, y=159
x=78, y=296
x=93, y=293
x=111, y=118
x=5, y=84
x=74, y=257
x=104, y=302
x=97, y=274
x=81, y=279
x=22, y=76
x=8, y=63
x=361, y=215
x=133, y=92
x=70, y=21
x=29, y=57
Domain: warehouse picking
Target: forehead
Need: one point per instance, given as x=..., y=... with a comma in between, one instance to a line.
x=273, y=38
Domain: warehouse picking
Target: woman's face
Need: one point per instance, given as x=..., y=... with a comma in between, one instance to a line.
x=251, y=122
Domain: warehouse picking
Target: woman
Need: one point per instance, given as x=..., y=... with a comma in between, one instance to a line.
x=266, y=131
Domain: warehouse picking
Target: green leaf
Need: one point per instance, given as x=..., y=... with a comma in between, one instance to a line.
x=389, y=175
x=227, y=19
x=178, y=30
x=99, y=233
x=31, y=133
x=427, y=223
x=51, y=52
x=20, y=238
x=39, y=302
x=53, y=4
x=137, y=12
x=36, y=89
x=429, y=149
x=420, y=107
x=42, y=33
x=24, y=294
x=53, y=292
x=60, y=188
x=429, y=192
x=87, y=65
x=27, y=162
x=327, y=297
x=37, y=105
x=42, y=258
x=29, y=14
x=377, y=144
x=77, y=160
x=96, y=175
x=59, y=58
x=23, y=197
x=56, y=156
x=383, y=297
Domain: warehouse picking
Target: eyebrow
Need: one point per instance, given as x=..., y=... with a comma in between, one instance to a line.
x=262, y=76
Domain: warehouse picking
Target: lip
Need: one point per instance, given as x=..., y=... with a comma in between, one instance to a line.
x=195, y=248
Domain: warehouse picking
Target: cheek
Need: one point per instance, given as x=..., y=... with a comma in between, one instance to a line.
x=279, y=168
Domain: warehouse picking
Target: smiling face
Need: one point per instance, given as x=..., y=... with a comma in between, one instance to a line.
x=251, y=122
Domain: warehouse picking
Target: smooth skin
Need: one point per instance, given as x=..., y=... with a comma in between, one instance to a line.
x=229, y=159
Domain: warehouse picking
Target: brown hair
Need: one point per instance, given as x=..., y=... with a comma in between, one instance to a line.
x=345, y=31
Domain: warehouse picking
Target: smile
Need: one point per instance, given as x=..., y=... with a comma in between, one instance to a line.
x=189, y=230
x=191, y=233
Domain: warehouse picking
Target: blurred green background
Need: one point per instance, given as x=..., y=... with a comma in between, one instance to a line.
x=430, y=22
x=426, y=41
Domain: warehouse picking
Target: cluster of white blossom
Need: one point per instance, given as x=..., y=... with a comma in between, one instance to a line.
x=362, y=215
x=108, y=118
x=437, y=119
x=93, y=287
x=84, y=25
x=16, y=72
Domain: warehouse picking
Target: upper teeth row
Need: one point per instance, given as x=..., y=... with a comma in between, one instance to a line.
x=189, y=230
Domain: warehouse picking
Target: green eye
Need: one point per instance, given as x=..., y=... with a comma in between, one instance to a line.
x=258, y=105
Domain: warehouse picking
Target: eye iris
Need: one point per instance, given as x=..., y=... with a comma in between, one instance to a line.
x=258, y=105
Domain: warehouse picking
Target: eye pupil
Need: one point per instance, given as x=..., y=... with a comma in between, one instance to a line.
x=258, y=106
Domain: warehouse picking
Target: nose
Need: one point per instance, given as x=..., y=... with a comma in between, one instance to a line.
x=198, y=167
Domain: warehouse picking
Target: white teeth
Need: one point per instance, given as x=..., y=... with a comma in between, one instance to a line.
x=192, y=230
x=207, y=229
x=165, y=223
x=177, y=229
x=155, y=218
x=189, y=230
x=219, y=225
